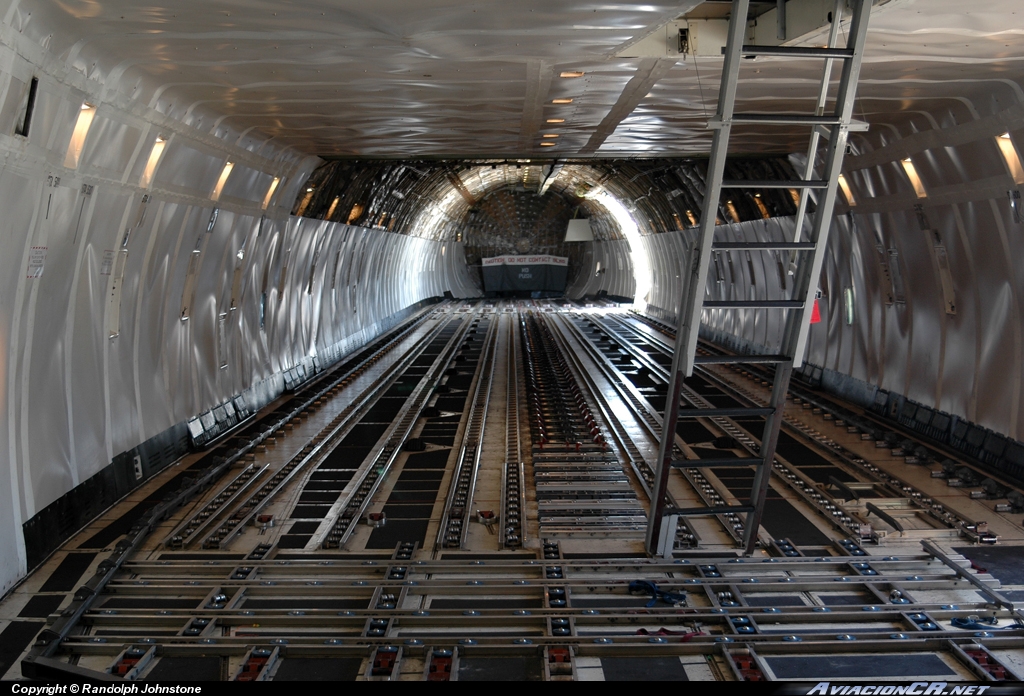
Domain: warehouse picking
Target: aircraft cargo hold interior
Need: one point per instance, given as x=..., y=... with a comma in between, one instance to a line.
x=461, y=341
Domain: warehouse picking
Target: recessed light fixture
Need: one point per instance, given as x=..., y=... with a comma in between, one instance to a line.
x=309, y=190
x=550, y=135
x=562, y=101
x=1013, y=162
x=224, y=174
x=85, y=116
x=548, y=144
x=571, y=73
x=907, y=159
x=556, y=120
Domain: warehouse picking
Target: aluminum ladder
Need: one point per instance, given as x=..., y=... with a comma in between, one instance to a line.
x=834, y=125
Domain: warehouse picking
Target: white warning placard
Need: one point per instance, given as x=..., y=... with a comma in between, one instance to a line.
x=36, y=261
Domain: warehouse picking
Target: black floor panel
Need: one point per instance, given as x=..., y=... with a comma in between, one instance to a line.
x=337, y=603
x=41, y=606
x=365, y=434
x=857, y=666
x=346, y=456
x=119, y=527
x=66, y=576
x=328, y=485
x=14, y=639
x=403, y=387
x=451, y=403
x=341, y=476
x=507, y=556
x=1006, y=563
x=780, y=601
x=783, y=521
x=293, y=541
x=310, y=512
x=318, y=669
x=176, y=669
x=406, y=511
x=416, y=485
x=754, y=426
x=439, y=431
x=428, y=460
x=422, y=497
x=177, y=556
x=500, y=669
x=643, y=669
x=151, y=603
x=506, y=603
x=799, y=454
x=722, y=401
x=441, y=440
x=318, y=497
x=821, y=474
x=384, y=411
x=846, y=600
x=388, y=536
x=610, y=602
x=692, y=431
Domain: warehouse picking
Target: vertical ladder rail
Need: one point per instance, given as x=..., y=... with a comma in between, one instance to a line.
x=688, y=318
x=769, y=440
x=690, y=308
x=812, y=149
x=797, y=328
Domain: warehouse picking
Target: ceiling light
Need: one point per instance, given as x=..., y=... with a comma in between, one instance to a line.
x=562, y=101
x=907, y=159
x=224, y=174
x=556, y=120
x=309, y=190
x=1005, y=136
x=270, y=191
x=571, y=73
x=550, y=135
x=84, y=120
x=548, y=144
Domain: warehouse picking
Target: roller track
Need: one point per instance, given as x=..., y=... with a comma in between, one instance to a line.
x=543, y=591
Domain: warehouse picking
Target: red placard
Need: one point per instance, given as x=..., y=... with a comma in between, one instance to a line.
x=815, y=313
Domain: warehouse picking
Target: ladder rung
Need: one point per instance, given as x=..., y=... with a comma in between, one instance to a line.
x=709, y=463
x=794, y=246
x=724, y=412
x=746, y=359
x=780, y=120
x=717, y=510
x=775, y=184
x=854, y=127
x=753, y=304
x=795, y=51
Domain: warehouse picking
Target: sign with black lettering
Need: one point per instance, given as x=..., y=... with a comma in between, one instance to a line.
x=525, y=274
